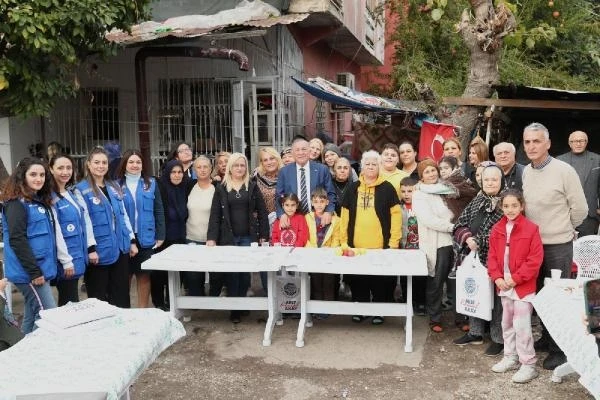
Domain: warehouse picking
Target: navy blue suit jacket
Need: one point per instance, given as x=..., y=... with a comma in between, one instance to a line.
x=287, y=182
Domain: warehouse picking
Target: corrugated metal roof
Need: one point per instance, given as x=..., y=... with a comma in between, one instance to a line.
x=150, y=30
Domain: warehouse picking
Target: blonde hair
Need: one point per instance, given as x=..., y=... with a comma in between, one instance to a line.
x=220, y=154
x=321, y=145
x=227, y=180
x=272, y=152
x=202, y=157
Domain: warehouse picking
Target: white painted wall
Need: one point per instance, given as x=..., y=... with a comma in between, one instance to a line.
x=23, y=133
x=5, y=144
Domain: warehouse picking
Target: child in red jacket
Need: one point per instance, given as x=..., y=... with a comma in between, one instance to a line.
x=514, y=259
x=296, y=235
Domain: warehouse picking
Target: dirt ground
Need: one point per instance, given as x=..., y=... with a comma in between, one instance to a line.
x=221, y=360
x=341, y=359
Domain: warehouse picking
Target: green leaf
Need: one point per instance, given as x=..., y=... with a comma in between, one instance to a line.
x=530, y=43
x=436, y=14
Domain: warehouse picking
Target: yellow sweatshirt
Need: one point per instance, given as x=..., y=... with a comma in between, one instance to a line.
x=393, y=177
x=332, y=236
x=367, y=228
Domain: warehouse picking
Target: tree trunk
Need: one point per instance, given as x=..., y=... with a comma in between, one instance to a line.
x=483, y=36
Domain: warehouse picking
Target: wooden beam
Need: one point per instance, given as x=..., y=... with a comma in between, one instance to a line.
x=523, y=103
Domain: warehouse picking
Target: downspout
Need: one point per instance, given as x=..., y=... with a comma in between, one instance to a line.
x=140, y=81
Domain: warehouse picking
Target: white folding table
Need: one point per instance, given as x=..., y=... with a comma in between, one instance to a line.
x=197, y=258
x=389, y=262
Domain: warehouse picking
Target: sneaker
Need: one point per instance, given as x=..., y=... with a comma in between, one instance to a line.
x=494, y=349
x=525, y=374
x=187, y=318
x=467, y=338
x=452, y=274
x=506, y=364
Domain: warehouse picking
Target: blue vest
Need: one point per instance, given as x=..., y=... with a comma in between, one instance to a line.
x=72, y=225
x=144, y=203
x=42, y=240
x=108, y=222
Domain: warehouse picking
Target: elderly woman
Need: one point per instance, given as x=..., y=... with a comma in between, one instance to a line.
x=340, y=181
x=471, y=233
x=331, y=153
x=371, y=219
x=315, y=147
x=238, y=217
x=408, y=158
x=435, y=226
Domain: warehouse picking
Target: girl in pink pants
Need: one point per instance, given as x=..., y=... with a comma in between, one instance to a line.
x=514, y=261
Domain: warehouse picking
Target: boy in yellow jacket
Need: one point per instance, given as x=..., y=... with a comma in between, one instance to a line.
x=322, y=286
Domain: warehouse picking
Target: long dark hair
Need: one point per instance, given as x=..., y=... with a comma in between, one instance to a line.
x=88, y=175
x=71, y=181
x=123, y=166
x=16, y=186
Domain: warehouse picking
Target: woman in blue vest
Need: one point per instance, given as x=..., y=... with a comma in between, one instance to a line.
x=143, y=203
x=108, y=280
x=32, y=244
x=75, y=226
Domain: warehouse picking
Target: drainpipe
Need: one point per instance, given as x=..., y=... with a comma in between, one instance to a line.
x=140, y=81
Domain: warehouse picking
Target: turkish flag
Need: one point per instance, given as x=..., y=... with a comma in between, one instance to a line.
x=432, y=139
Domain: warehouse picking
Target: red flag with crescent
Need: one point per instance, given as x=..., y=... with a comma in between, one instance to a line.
x=432, y=139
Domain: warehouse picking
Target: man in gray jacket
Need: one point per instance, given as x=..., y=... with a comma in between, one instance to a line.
x=587, y=165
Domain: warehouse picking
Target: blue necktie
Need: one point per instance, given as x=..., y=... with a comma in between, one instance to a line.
x=303, y=194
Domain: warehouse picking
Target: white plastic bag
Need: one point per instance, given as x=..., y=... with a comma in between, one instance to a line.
x=474, y=289
x=288, y=293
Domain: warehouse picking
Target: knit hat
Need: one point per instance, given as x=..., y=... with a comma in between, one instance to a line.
x=428, y=162
x=332, y=147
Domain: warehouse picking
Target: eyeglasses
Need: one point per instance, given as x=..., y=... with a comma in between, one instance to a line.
x=487, y=163
x=187, y=149
x=580, y=141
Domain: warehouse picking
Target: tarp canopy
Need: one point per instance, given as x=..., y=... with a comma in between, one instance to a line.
x=347, y=97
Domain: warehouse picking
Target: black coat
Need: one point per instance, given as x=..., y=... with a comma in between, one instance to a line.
x=220, y=224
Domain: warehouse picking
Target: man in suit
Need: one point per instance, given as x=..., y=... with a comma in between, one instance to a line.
x=587, y=165
x=301, y=178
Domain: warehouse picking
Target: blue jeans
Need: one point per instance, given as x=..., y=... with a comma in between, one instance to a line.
x=36, y=298
x=238, y=282
x=193, y=281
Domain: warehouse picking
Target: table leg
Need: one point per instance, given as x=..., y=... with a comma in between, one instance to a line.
x=304, y=293
x=8, y=295
x=271, y=306
x=408, y=347
x=174, y=293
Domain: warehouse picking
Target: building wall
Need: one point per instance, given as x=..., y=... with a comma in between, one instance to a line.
x=320, y=60
x=379, y=78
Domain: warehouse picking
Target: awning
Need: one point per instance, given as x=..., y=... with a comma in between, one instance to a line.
x=344, y=96
x=248, y=15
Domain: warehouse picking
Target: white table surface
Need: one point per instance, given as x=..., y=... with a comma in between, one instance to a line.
x=389, y=262
x=561, y=307
x=105, y=357
x=198, y=258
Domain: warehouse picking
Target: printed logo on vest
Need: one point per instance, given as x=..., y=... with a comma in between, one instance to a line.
x=42, y=210
x=70, y=228
x=95, y=200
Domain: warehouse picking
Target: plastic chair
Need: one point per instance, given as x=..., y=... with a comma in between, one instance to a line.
x=586, y=254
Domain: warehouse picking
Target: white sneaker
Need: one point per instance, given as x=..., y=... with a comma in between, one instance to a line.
x=525, y=374
x=506, y=364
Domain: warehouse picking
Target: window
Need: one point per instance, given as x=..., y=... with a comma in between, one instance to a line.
x=100, y=107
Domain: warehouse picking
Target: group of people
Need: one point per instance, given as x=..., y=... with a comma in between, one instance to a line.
x=57, y=230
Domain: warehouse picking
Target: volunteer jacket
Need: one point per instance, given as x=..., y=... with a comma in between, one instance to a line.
x=110, y=222
x=150, y=212
x=525, y=254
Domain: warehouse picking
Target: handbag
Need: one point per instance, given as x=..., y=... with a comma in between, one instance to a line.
x=474, y=289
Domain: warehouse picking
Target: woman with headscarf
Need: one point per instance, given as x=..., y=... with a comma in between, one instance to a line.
x=340, y=181
x=331, y=153
x=174, y=186
x=184, y=153
x=471, y=233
